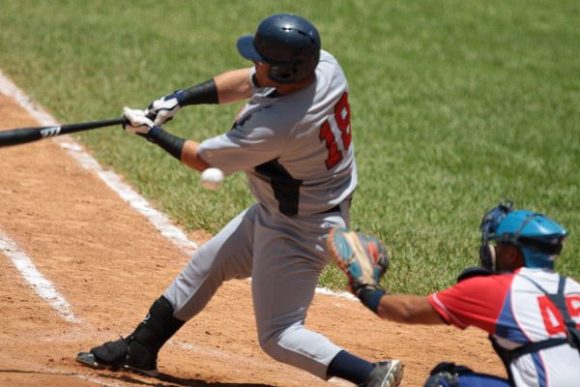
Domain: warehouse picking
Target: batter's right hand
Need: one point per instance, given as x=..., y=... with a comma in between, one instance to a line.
x=137, y=121
x=162, y=110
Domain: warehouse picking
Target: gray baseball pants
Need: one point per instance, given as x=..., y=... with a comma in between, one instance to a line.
x=284, y=257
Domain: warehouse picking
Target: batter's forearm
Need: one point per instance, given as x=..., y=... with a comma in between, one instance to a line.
x=170, y=143
x=230, y=86
x=190, y=156
x=204, y=93
x=234, y=85
x=184, y=150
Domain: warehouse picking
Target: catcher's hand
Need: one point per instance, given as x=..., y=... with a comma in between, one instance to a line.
x=363, y=258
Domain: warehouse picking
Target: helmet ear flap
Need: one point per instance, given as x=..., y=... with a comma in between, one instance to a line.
x=487, y=256
x=282, y=72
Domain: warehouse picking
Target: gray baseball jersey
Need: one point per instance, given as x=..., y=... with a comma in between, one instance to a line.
x=297, y=153
x=295, y=149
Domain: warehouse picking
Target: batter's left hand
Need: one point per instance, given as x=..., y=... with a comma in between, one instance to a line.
x=163, y=109
x=137, y=121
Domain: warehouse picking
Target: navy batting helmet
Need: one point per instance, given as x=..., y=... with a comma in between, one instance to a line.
x=288, y=43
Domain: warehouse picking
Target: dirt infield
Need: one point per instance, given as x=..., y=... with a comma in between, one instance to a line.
x=109, y=263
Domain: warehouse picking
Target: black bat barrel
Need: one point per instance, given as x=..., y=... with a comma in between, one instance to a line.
x=24, y=135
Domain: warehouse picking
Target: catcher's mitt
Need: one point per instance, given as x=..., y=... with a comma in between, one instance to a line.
x=363, y=258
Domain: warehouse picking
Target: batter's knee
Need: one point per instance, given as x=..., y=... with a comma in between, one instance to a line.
x=270, y=344
x=296, y=346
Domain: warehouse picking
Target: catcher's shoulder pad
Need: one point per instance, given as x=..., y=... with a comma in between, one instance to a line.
x=475, y=271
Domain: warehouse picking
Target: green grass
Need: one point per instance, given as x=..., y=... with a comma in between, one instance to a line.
x=456, y=105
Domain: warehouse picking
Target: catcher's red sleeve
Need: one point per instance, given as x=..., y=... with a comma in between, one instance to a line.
x=477, y=301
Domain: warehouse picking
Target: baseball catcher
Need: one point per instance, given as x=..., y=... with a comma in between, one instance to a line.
x=530, y=311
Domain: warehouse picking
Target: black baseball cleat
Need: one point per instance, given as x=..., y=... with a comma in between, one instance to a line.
x=122, y=354
x=385, y=374
x=88, y=359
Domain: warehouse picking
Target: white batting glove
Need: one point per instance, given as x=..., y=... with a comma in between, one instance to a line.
x=137, y=121
x=163, y=109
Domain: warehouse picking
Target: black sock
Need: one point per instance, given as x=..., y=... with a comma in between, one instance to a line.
x=350, y=367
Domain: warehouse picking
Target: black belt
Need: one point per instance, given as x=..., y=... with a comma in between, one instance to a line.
x=333, y=209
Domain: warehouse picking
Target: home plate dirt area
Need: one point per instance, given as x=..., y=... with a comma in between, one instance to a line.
x=79, y=266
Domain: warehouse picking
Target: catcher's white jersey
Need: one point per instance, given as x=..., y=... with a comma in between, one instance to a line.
x=296, y=149
x=516, y=312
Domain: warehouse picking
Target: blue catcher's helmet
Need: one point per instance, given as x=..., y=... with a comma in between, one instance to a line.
x=288, y=43
x=538, y=237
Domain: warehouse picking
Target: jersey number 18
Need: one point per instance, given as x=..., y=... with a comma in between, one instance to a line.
x=342, y=134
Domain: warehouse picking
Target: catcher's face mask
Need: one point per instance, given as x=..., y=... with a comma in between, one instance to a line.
x=538, y=238
x=489, y=224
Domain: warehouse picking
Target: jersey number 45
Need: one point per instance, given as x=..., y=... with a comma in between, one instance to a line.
x=336, y=133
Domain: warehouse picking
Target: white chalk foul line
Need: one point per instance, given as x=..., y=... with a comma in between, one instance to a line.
x=129, y=195
x=35, y=279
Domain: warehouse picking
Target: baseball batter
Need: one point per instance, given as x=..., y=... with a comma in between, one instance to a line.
x=293, y=140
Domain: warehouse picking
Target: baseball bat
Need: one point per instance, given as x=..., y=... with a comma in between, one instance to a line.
x=24, y=135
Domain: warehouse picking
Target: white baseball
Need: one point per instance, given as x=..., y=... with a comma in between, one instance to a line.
x=212, y=178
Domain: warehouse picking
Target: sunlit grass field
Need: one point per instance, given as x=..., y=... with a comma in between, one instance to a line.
x=456, y=105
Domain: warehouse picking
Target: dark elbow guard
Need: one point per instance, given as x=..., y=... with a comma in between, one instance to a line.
x=172, y=144
x=204, y=93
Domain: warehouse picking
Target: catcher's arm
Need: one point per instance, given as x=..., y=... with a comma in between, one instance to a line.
x=408, y=309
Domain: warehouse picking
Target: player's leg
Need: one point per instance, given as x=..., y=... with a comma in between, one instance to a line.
x=227, y=255
x=284, y=278
x=139, y=350
x=283, y=287
x=287, y=263
x=446, y=374
x=466, y=380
